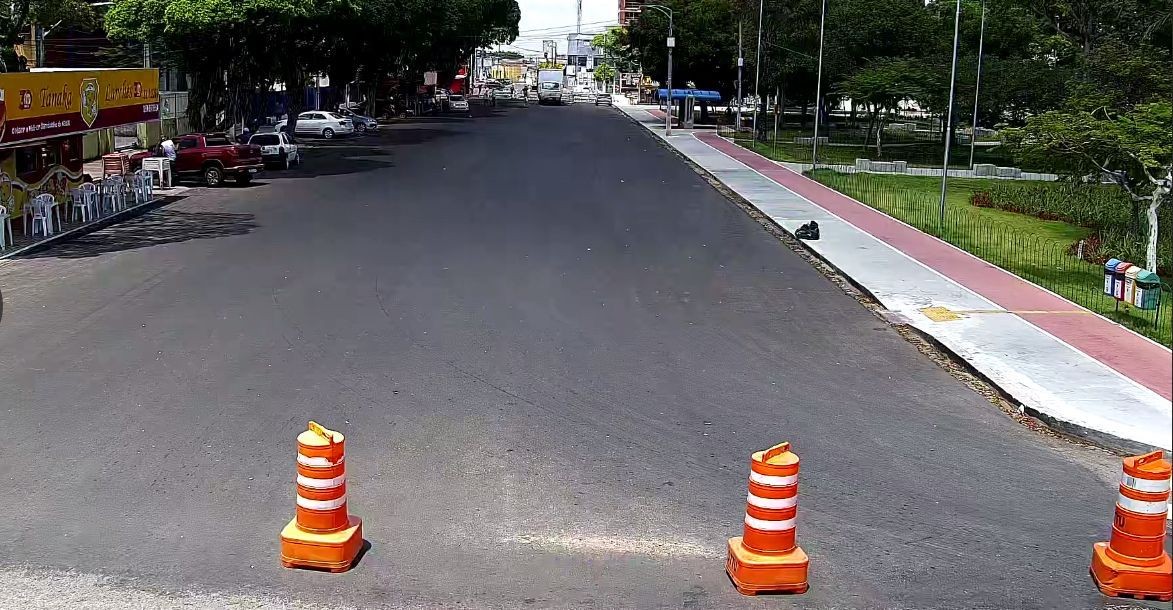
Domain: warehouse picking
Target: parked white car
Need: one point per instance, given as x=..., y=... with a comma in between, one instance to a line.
x=277, y=149
x=320, y=123
x=458, y=103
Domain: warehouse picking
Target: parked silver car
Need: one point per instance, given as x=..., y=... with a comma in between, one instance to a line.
x=362, y=124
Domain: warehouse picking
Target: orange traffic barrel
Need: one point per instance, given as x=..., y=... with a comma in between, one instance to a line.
x=321, y=480
x=322, y=534
x=765, y=558
x=1133, y=563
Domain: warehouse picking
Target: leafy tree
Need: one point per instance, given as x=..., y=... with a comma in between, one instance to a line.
x=512, y=55
x=605, y=74
x=706, y=42
x=882, y=85
x=615, y=43
x=235, y=48
x=1133, y=148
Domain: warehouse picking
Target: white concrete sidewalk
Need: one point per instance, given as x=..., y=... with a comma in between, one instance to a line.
x=1052, y=380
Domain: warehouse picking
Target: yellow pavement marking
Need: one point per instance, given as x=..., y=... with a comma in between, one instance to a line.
x=944, y=314
x=940, y=314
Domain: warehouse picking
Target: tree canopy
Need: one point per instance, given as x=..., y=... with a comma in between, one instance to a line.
x=232, y=48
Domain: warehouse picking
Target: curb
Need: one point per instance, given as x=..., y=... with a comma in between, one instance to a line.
x=1068, y=430
x=95, y=225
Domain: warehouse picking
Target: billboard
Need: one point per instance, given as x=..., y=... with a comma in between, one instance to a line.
x=38, y=105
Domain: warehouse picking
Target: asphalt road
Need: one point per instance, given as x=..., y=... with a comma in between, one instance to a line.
x=552, y=346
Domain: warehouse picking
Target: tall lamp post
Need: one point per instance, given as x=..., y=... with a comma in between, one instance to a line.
x=977, y=87
x=819, y=87
x=671, y=44
x=949, y=117
x=757, y=79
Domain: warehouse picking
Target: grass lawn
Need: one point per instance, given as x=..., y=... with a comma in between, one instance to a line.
x=1034, y=249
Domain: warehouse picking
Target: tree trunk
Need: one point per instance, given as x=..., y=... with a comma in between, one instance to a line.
x=880, y=135
x=867, y=136
x=294, y=102
x=1134, y=215
x=782, y=107
x=763, y=110
x=1160, y=193
x=704, y=112
x=802, y=118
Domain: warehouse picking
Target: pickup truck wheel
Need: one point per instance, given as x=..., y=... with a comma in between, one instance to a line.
x=327, y=133
x=213, y=175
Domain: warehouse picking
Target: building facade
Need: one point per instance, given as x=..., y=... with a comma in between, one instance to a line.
x=629, y=11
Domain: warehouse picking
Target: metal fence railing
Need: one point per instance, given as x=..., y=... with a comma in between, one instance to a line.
x=841, y=143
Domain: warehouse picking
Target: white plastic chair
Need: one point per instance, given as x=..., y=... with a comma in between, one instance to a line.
x=143, y=184
x=5, y=228
x=43, y=213
x=114, y=193
x=7, y=203
x=158, y=166
x=85, y=202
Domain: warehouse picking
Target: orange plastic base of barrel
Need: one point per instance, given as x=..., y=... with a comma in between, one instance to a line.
x=753, y=572
x=334, y=551
x=1117, y=579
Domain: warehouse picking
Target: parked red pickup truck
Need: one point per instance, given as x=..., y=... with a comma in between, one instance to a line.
x=215, y=157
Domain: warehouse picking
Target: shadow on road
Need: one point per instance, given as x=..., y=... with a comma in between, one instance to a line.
x=330, y=164
x=414, y=136
x=161, y=226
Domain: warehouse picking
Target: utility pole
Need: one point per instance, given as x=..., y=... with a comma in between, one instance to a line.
x=671, y=45
x=977, y=87
x=949, y=121
x=819, y=88
x=757, y=81
x=777, y=108
x=740, y=67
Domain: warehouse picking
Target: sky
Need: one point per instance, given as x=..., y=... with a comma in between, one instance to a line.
x=554, y=19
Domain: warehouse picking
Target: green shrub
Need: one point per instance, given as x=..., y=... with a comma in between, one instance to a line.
x=1106, y=209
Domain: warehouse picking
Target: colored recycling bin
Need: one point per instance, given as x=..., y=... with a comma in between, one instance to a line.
x=1130, y=284
x=1109, y=275
x=1118, y=280
x=1147, y=292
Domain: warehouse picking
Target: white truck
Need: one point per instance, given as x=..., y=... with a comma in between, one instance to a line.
x=551, y=82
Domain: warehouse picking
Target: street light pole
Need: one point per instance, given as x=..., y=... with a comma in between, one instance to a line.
x=977, y=87
x=758, y=71
x=819, y=87
x=740, y=66
x=671, y=44
x=949, y=115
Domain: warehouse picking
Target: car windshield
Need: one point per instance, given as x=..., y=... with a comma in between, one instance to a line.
x=457, y=98
x=335, y=115
x=265, y=139
x=549, y=85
